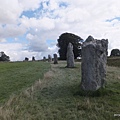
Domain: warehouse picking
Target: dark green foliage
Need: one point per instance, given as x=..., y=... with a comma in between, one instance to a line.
x=115, y=52
x=63, y=42
x=4, y=57
x=26, y=59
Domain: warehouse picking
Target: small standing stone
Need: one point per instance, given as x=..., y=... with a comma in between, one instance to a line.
x=94, y=59
x=33, y=58
x=49, y=58
x=55, y=59
x=70, y=56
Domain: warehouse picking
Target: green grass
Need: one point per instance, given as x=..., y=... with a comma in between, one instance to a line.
x=57, y=97
x=113, y=61
x=19, y=75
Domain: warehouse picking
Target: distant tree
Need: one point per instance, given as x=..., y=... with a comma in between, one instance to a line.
x=26, y=59
x=4, y=57
x=64, y=40
x=115, y=52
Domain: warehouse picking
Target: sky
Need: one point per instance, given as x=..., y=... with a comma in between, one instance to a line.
x=31, y=27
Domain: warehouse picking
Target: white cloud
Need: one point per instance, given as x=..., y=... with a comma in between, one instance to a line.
x=29, y=4
x=12, y=31
x=81, y=17
x=2, y=40
x=17, y=51
x=10, y=11
x=36, y=44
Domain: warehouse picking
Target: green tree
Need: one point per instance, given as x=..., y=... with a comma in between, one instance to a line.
x=115, y=52
x=4, y=57
x=64, y=40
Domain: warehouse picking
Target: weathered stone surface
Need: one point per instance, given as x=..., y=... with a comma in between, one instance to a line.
x=70, y=56
x=49, y=58
x=94, y=59
x=55, y=59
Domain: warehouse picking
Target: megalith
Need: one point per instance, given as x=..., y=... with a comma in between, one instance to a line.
x=49, y=58
x=94, y=59
x=33, y=58
x=70, y=56
x=55, y=59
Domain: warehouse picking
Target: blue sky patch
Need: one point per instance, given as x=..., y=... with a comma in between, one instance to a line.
x=28, y=14
x=63, y=4
x=51, y=42
x=110, y=20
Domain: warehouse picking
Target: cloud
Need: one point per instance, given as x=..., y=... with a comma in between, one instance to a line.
x=18, y=52
x=10, y=10
x=51, y=18
x=90, y=18
x=2, y=40
x=29, y=4
x=36, y=44
x=12, y=31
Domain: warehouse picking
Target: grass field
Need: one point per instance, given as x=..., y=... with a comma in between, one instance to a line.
x=114, y=61
x=56, y=96
x=16, y=76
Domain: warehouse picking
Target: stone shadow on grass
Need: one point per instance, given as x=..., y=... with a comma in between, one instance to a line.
x=57, y=91
x=98, y=93
x=65, y=67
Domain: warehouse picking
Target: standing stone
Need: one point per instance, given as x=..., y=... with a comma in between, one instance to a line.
x=49, y=58
x=33, y=58
x=94, y=59
x=55, y=59
x=70, y=56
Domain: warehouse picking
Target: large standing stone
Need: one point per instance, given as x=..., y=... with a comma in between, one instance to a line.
x=55, y=59
x=70, y=56
x=94, y=59
x=49, y=58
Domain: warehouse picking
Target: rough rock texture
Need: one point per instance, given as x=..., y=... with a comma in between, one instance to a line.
x=70, y=56
x=55, y=59
x=49, y=58
x=94, y=59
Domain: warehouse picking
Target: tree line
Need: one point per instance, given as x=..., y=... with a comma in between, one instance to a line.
x=66, y=38
x=63, y=41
